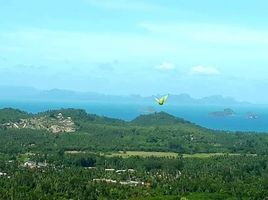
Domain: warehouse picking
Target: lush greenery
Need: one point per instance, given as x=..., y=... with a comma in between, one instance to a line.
x=9, y=114
x=169, y=158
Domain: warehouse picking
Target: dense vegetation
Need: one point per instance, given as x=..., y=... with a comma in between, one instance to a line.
x=9, y=114
x=155, y=132
x=75, y=160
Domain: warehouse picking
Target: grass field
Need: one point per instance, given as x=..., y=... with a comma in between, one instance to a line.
x=165, y=154
x=145, y=154
x=194, y=196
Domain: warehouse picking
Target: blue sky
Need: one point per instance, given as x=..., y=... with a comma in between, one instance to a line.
x=137, y=47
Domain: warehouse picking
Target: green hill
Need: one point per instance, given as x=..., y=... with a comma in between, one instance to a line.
x=10, y=114
x=155, y=132
x=173, y=158
x=156, y=119
x=79, y=116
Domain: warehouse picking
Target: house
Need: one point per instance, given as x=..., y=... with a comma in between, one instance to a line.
x=120, y=171
x=109, y=170
x=131, y=183
x=30, y=164
x=41, y=164
x=3, y=174
x=105, y=180
x=178, y=174
x=90, y=168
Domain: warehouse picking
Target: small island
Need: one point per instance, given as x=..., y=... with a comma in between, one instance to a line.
x=225, y=113
x=252, y=115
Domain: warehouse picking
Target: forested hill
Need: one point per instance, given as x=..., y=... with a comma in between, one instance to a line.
x=160, y=118
x=69, y=154
x=79, y=115
x=10, y=114
x=72, y=129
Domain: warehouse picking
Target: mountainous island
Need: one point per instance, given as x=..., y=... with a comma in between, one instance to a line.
x=71, y=154
x=59, y=95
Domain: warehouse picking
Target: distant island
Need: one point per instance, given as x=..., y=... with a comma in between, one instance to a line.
x=252, y=115
x=225, y=113
x=58, y=95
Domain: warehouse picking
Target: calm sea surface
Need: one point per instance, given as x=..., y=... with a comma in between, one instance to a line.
x=196, y=114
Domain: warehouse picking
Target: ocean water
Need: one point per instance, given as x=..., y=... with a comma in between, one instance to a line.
x=196, y=114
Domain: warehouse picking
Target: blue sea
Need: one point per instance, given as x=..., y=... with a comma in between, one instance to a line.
x=196, y=114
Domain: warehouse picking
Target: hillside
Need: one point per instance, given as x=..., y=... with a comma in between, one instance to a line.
x=55, y=121
x=157, y=119
x=10, y=114
x=152, y=156
x=154, y=132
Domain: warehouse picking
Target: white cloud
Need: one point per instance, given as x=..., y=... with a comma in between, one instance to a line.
x=202, y=70
x=165, y=66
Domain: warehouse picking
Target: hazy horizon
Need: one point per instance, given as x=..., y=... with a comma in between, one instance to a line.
x=15, y=92
x=137, y=47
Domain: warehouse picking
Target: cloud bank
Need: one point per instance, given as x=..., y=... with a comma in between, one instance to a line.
x=202, y=70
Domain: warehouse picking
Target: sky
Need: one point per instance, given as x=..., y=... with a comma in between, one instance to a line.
x=141, y=47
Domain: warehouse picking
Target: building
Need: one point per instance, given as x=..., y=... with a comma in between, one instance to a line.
x=30, y=164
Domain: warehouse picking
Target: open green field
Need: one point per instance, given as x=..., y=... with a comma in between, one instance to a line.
x=165, y=154
x=194, y=196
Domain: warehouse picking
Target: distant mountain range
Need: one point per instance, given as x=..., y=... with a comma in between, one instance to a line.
x=28, y=93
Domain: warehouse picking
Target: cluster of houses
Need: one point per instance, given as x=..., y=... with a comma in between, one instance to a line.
x=58, y=124
x=3, y=174
x=125, y=182
x=120, y=171
x=63, y=125
x=129, y=182
x=158, y=175
x=35, y=165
